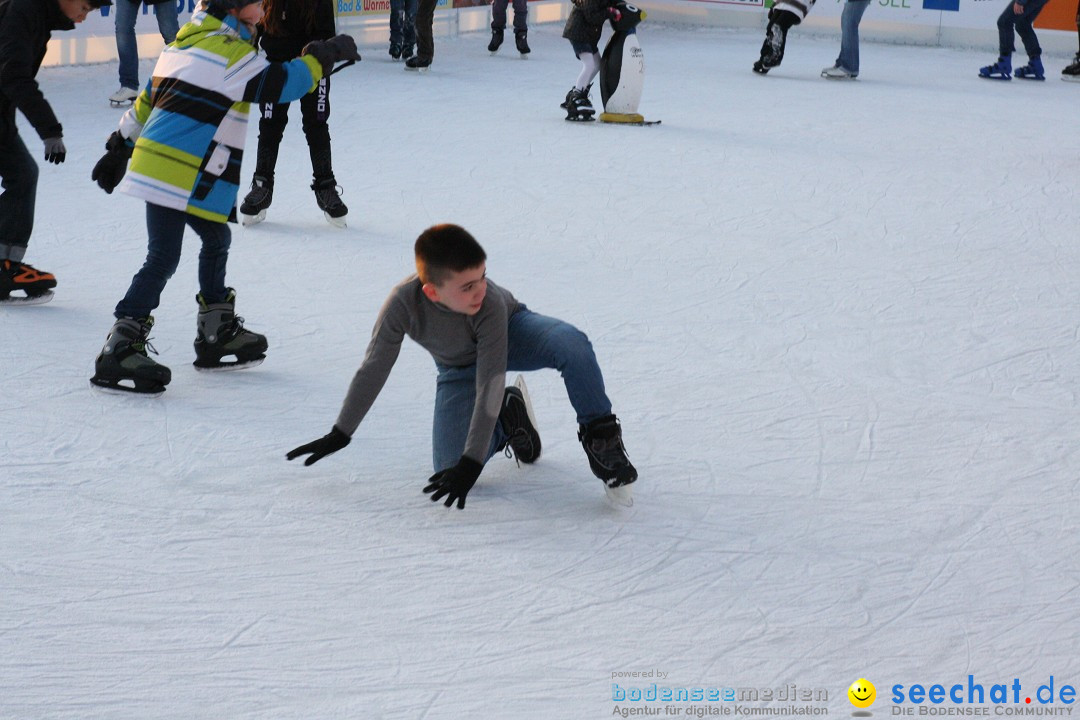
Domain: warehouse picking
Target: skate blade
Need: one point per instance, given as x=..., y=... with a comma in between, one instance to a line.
x=35, y=299
x=338, y=222
x=623, y=495
x=229, y=367
x=119, y=387
x=581, y=118
x=418, y=70
x=1071, y=78
x=247, y=220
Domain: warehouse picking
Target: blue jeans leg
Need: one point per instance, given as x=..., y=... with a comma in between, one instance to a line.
x=167, y=20
x=535, y=342
x=849, y=40
x=19, y=175
x=397, y=14
x=127, y=47
x=165, y=236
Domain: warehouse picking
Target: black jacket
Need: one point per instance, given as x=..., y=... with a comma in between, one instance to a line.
x=586, y=21
x=287, y=44
x=25, y=29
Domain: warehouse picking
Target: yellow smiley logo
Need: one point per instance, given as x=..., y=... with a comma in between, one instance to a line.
x=862, y=693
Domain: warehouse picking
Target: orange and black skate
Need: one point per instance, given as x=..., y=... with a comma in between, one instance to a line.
x=35, y=286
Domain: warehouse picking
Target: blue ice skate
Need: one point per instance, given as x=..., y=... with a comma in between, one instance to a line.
x=1001, y=70
x=1032, y=71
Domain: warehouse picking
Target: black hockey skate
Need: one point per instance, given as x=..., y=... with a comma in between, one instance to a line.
x=602, y=440
x=395, y=51
x=519, y=424
x=418, y=64
x=326, y=195
x=123, y=365
x=221, y=335
x=521, y=41
x=1071, y=73
x=253, y=209
x=35, y=285
x=578, y=106
x=496, y=41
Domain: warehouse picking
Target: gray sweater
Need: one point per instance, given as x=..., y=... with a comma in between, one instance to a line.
x=452, y=338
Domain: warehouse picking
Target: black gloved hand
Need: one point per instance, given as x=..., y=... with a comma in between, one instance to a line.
x=455, y=483
x=332, y=51
x=110, y=169
x=328, y=444
x=55, y=152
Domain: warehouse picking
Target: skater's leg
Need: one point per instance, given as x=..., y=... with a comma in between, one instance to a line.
x=213, y=257
x=167, y=21
x=590, y=66
x=498, y=14
x=273, y=117
x=1006, y=23
x=19, y=174
x=455, y=397
x=1025, y=30
x=315, y=111
x=165, y=236
x=127, y=47
x=772, y=49
x=425, y=41
x=849, y=41
x=521, y=16
x=397, y=14
x=537, y=341
x=409, y=24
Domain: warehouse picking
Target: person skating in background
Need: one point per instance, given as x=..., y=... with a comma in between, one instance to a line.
x=425, y=37
x=783, y=15
x=25, y=29
x=287, y=27
x=583, y=29
x=127, y=47
x=402, y=28
x=498, y=25
x=1017, y=19
x=1072, y=71
x=475, y=332
x=185, y=137
x=846, y=66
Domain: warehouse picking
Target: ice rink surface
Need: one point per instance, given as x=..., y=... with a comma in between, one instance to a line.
x=838, y=321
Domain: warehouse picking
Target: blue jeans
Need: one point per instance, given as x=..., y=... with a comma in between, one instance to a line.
x=126, y=45
x=19, y=175
x=403, y=22
x=1022, y=22
x=165, y=232
x=534, y=342
x=849, y=39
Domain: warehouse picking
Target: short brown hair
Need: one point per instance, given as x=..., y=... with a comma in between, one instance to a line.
x=445, y=249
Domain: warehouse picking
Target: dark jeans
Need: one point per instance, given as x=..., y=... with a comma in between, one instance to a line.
x=498, y=15
x=19, y=173
x=425, y=42
x=403, y=22
x=1022, y=22
x=315, y=112
x=165, y=231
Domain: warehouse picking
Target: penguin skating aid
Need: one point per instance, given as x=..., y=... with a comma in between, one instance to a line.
x=622, y=69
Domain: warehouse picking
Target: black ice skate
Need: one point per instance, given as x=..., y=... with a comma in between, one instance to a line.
x=521, y=41
x=221, y=335
x=578, y=106
x=602, y=440
x=395, y=51
x=519, y=424
x=34, y=286
x=1071, y=73
x=496, y=41
x=326, y=195
x=253, y=209
x=418, y=64
x=123, y=365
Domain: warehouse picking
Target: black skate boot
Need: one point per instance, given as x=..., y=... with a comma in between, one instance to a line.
x=221, y=334
x=326, y=195
x=496, y=41
x=578, y=106
x=418, y=64
x=1071, y=73
x=253, y=209
x=520, y=39
x=602, y=440
x=36, y=285
x=395, y=51
x=519, y=424
x=123, y=365
x=406, y=52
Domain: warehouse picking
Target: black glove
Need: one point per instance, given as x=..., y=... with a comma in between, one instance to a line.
x=332, y=51
x=110, y=169
x=328, y=444
x=455, y=483
x=55, y=152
